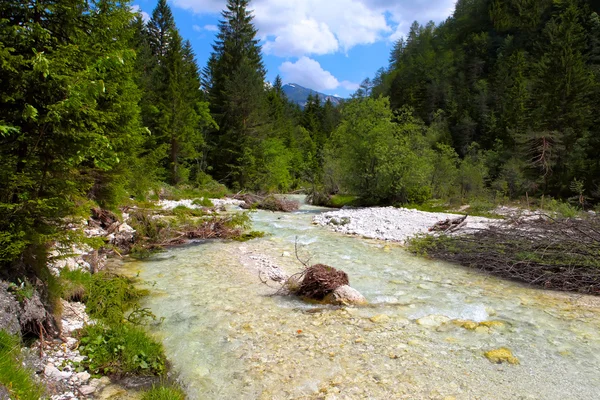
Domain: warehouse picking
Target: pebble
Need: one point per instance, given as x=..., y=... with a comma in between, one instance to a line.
x=87, y=390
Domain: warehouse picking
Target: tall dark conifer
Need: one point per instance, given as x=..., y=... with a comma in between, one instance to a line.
x=235, y=79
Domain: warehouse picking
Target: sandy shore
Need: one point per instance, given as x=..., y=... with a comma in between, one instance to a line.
x=390, y=223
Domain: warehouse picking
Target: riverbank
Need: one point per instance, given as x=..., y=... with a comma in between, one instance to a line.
x=535, y=248
x=393, y=224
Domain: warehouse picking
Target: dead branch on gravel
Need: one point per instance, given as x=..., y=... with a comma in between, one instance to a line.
x=560, y=254
x=269, y=203
x=449, y=225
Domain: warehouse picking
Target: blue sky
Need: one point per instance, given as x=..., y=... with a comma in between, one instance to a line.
x=326, y=45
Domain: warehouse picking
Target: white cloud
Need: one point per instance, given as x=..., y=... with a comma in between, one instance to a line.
x=145, y=16
x=308, y=72
x=196, y=28
x=305, y=27
x=303, y=37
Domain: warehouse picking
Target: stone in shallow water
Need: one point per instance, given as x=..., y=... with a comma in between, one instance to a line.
x=501, y=355
x=432, y=321
x=345, y=295
x=380, y=319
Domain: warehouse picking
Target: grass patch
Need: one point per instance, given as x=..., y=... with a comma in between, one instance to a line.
x=121, y=349
x=244, y=237
x=341, y=200
x=75, y=284
x=164, y=393
x=203, y=202
x=18, y=380
x=210, y=190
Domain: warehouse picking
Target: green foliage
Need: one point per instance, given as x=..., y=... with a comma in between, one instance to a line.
x=203, y=201
x=23, y=290
x=244, y=237
x=121, y=349
x=379, y=159
x=341, y=200
x=520, y=79
x=164, y=393
x=75, y=284
x=18, y=380
x=184, y=212
x=559, y=208
x=110, y=296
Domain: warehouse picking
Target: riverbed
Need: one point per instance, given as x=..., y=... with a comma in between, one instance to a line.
x=229, y=338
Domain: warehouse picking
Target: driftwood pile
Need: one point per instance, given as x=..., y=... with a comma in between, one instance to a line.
x=269, y=203
x=449, y=225
x=320, y=280
x=551, y=253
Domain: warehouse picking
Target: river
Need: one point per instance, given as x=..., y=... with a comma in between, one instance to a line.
x=229, y=339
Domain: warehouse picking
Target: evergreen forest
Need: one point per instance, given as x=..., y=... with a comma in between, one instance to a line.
x=500, y=101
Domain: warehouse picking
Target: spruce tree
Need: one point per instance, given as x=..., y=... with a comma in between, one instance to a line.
x=234, y=79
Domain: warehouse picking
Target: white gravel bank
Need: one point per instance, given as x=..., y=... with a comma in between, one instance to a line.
x=390, y=223
x=171, y=204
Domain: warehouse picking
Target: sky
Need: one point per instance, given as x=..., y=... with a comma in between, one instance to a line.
x=326, y=45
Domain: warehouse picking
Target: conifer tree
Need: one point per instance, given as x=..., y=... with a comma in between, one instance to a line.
x=234, y=79
x=70, y=119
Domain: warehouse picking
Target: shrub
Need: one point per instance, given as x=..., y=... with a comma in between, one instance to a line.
x=14, y=377
x=110, y=296
x=121, y=349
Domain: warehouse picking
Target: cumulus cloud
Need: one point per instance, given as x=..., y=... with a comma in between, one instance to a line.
x=316, y=27
x=145, y=16
x=308, y=72
x=302, y=37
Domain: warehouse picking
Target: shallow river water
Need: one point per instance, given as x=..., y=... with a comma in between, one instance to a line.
x=228, y=339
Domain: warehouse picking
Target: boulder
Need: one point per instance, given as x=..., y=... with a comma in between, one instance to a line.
x=345, y=295
x=9, y=310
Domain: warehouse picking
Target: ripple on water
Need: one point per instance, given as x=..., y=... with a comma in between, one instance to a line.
x=228, y=339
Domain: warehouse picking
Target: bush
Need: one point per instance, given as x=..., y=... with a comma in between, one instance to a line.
x=14, y=377
x=121, y=349
x=163, y=393
x=110, y=296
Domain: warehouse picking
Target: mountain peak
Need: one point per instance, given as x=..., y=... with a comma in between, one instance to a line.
x=299, y=94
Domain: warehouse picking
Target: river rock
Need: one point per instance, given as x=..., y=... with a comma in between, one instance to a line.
x=345, y=295
x=380, y=319
x=433, y=321
x=9, y=308
x=83, y=376
x=501, y=355
x=87, y=390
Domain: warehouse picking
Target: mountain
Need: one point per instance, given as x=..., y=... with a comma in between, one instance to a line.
x=299, y=94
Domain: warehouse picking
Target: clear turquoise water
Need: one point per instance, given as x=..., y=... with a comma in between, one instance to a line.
x=229, y=339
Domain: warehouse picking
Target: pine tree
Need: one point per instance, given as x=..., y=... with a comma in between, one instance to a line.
x=234, y=79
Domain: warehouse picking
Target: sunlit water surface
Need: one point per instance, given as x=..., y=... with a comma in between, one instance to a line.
x=228, y=339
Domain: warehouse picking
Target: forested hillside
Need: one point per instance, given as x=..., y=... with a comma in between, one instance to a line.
x=499, y=101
